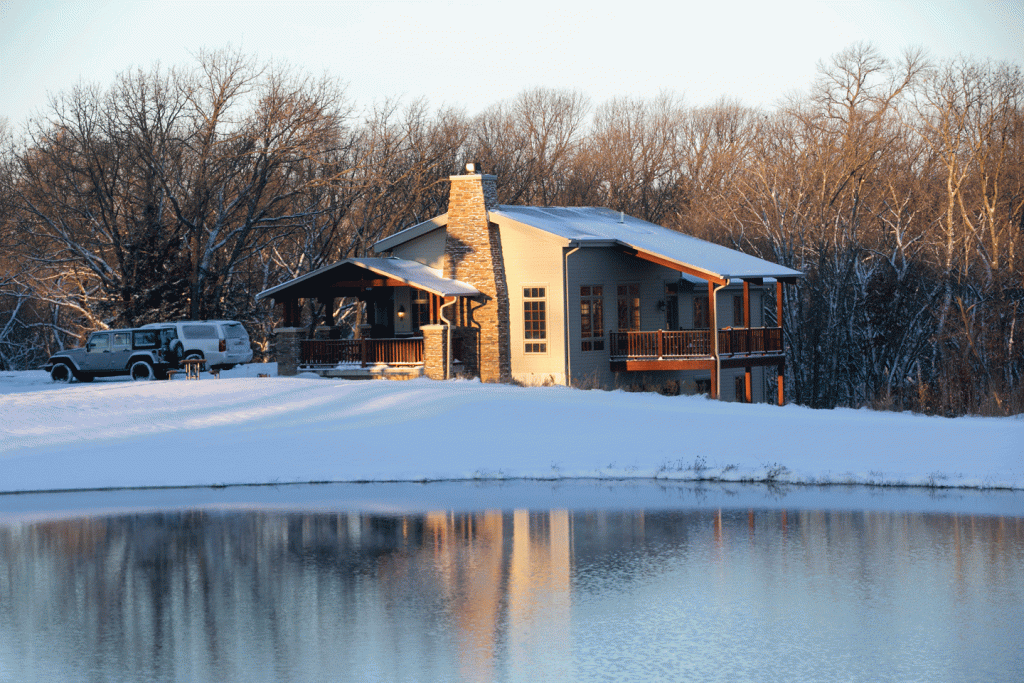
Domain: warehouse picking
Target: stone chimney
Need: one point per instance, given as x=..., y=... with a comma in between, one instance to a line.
x=472, y=254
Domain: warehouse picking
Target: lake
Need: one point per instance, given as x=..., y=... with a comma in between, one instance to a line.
x=513, y=581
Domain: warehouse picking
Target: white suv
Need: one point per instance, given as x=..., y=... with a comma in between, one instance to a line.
x=223, y=344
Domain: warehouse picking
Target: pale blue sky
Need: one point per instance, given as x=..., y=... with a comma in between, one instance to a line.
x=472, y=54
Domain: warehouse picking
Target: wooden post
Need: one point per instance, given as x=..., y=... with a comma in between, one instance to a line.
x=713, y=324
x=746, y=304
x=749, y=393
x=778, y=323
x=661, y=344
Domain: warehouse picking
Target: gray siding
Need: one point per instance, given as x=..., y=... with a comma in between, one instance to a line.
x=426, y=249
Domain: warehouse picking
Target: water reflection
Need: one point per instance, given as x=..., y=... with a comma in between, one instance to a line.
x=559, y=595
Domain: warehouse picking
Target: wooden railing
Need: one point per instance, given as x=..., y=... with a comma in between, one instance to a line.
x=660, y=344
x=749, y=340
x=687, y=343
x=407, y=351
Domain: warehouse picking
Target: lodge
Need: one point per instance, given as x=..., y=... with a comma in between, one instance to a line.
x=582, y=296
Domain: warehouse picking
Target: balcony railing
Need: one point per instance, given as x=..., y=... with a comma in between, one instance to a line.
x=406, y=351
x=660, y=344
x=668, y=344
x=746, y=341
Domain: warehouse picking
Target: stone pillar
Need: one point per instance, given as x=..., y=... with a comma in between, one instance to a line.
x=287, y=349
x=473, y=255
x=435, y=358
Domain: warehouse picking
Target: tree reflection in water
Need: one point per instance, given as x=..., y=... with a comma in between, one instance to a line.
x=559, y=595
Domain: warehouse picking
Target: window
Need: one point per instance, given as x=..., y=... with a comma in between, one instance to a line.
x=592, y=318
x=199, y=331
x=535, y=319
x=420, y=308
x=737, y=311
x=701, y=314
x=672, y=306
x=629, y=307
x=122, y=339
x=147, y=339
x=99, y=342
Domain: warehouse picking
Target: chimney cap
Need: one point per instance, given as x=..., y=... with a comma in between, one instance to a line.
x=473, y=167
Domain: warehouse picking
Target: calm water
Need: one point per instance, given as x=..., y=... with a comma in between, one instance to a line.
x=687, y=593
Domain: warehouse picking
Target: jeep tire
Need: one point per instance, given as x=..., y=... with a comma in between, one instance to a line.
x=61, y=373
x=142, y=371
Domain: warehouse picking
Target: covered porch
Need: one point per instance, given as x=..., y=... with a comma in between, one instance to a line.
x=399, y=305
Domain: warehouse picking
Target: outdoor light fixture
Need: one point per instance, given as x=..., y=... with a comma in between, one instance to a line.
x=472, y=167
x=401, y=312
x=661, y=305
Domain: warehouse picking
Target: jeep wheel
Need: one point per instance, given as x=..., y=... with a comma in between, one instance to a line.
x=60, y=373
x=142, y=371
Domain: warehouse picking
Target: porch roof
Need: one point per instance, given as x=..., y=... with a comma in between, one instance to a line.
x=339, y=278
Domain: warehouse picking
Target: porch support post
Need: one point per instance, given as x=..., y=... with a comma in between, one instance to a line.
x=778, y=323
x=746, y=304
x=747, y=384
x=435, y=353
x=713, y=322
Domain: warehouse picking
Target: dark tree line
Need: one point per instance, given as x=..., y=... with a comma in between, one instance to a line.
x=896, y=185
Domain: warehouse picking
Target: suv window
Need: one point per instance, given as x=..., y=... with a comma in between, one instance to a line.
x=199, y=331
x=234, y=331
x=121, y=339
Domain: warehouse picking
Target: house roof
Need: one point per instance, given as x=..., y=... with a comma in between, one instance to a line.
x=591, y=226
x=406, y=272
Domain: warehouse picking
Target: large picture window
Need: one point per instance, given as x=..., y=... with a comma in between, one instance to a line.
x=535, y=319
x=629, y=307
x=592, y=318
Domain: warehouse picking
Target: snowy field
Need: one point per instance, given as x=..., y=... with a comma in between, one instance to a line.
x=242, y=429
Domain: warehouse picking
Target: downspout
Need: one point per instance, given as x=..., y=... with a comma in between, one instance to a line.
x=714, y=336
x=565, y=318
x=448, y=351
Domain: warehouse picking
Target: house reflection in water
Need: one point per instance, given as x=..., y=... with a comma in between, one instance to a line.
x=488, y=596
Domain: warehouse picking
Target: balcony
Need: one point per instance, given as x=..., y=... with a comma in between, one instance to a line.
x=691, y=349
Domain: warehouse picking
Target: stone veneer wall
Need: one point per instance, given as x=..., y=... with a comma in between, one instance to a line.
x=473, y=255
x=435, y=356
x=287, y=349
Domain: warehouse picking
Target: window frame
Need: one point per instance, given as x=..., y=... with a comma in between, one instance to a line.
x=592, y=317
x=535, y=319
x=630, y=303
x=701, y=312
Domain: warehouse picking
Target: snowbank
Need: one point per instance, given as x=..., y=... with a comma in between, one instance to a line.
x=244, y=429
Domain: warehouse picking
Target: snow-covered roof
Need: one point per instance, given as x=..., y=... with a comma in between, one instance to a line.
x=591, y=226
x=595, y=226
x=409, y=272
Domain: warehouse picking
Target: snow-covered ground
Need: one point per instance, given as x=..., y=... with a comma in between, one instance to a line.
x=244, y=429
